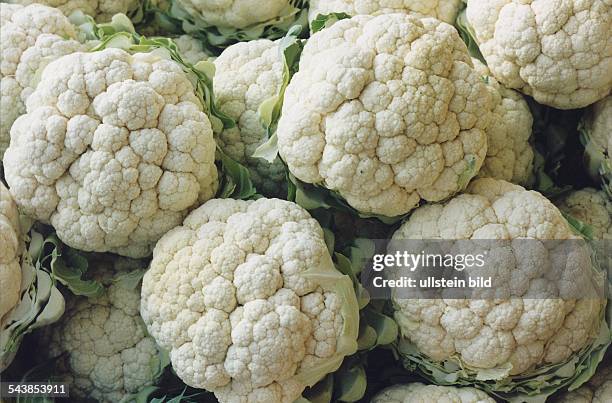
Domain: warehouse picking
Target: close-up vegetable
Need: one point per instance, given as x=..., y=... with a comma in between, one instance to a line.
x=305, y=201
x=114, y=150
x=31, y=37
x=247, y=300
x=34, y=268
x=221, y=24
x=101, y=10
x=509, y=152
x=249, y=74
x=100, y=344
x=536, y=327
x=386, y=111
x=420, y=393
x=556, y=51
x=444, y=10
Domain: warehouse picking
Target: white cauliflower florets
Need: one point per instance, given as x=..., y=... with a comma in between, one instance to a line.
x=247, y=300
x=101, y=10
x=592, y=207
x=509, y=154
x=420, y=393
x=10, y=252
x=386, y=111
x=31, y=37
x=597, y=130
x=541, y=311
x=191, y=49
x=597, y=390
x=113, y=152
x=247, y=74
x=234, y=13
x=107, y=353
x=559, y=52
x=444, y=10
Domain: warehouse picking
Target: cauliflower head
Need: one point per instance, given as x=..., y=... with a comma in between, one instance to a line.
x=592, y=207
x=31, y=37
x=385, y=111
x=246, y=298
x=597, y=390
x=10, y=252
x=101, y=10
x=222, y=23
x=596, y=129
x=113, y=152
x=421, y=393
x=191, y=49
x=235, y=13
x=518, y=328
x=247, y=74
x=559, y=52
x=509, y=154
x=108, y=353
x=444, y=10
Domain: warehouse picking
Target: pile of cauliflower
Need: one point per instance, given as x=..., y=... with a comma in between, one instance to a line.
x=192, y=194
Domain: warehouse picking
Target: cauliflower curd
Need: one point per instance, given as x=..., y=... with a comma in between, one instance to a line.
x=235, y=13
x=420, y=393
x=113, y=152
x=101, y=10
x=509, y=154
x=559, y=52
x=386, y=111
x=444, y=10
x=107, y=353
x=249, y=73
x=592, y=207
x=536, y=318
x=30, y=37
x=246, y=298
x=10, y=252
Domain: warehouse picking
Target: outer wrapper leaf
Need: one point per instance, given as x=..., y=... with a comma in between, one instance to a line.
x=175, y=18
x=349, y=382
x=46, y=264
x=323, y=21
x=531, y=387
x=468, y=35
x=290, y=50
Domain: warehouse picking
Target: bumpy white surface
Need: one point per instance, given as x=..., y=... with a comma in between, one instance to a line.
x=444, y=10
x=420, y=393
x=558, y=51
x=386, y=111
x=113, y=152
x=10, y=251
x=509, y=154
x=592, y=207
x=30, y=37
x=108, y=354
x=234, y=13
x=191, y=49
x=101, y=10
x=248, y=73
x=520, y=327
x=233, y=295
